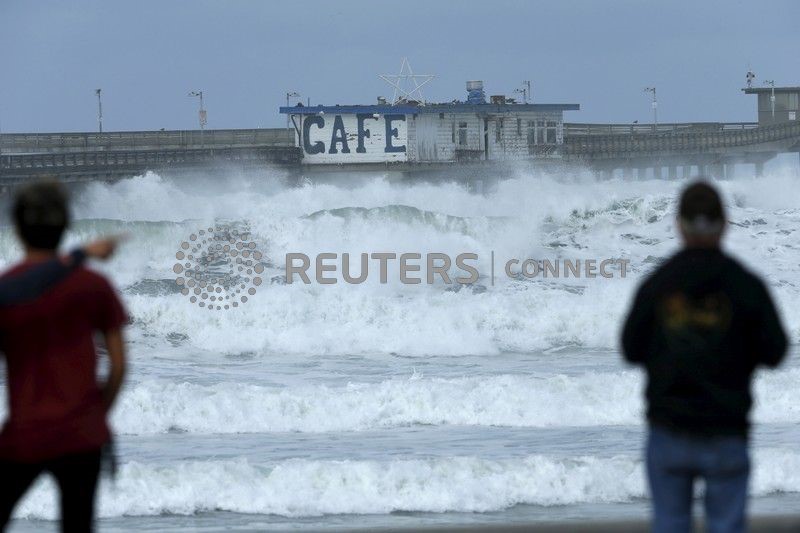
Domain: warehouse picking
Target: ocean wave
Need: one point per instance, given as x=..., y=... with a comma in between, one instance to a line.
x=587, y=400
x=299, y=488
x=406, y=214
x=525, y=217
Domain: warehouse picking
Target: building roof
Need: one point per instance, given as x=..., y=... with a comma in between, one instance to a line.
x=760, y=90
x=406, y=109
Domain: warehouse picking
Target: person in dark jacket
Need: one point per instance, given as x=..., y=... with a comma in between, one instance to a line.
x=700, y=325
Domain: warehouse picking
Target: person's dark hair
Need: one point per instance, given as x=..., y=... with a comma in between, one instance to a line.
x=41, y=214
x=700, y=210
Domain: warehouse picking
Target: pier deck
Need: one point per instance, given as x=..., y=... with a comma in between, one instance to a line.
x=113, y=155
x=602, y=147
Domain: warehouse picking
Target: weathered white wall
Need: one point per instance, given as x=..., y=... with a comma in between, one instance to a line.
x=435, y=137
x=513, y=141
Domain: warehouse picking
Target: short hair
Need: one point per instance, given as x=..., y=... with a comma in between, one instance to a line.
x=41, y=214
x=700, y=211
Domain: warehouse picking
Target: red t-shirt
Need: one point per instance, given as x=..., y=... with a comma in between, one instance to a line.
x=55, y=402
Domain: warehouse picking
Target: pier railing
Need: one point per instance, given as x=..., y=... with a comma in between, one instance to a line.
x=649, y=129
x=30, y=143
x=106, y=164
x=690, y=140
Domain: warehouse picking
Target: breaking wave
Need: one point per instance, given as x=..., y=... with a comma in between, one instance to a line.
x=594, y=399
x=536, y=217
x=299, y=488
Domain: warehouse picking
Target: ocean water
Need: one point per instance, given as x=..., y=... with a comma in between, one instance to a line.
x=314, y=406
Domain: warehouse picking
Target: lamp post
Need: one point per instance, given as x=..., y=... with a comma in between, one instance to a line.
x=99, y=92
x=655, y=107
x=290, y=94
x=771, y=83
x=525, y=90
x=202, y=115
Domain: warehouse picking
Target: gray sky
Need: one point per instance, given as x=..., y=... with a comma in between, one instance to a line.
x=245, y=54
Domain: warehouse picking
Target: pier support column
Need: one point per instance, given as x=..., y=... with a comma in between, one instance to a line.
x=658, y=172
x=687, y=171
x=627, y=173
x=730, y=171
x=672, y=172
x=759, y=168
x=641, y=173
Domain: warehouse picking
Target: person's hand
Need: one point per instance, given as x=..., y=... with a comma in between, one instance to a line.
x=103, y=248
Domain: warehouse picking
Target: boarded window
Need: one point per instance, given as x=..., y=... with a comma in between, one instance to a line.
x=540, y=139
x=552, y=128
x=519, y=127
x=462, y=133
x=531, y=133
x=498, y=130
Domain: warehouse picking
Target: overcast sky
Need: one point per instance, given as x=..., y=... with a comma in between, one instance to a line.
x=245, y=55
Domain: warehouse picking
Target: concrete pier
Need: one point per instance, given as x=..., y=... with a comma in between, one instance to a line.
x=605, y=147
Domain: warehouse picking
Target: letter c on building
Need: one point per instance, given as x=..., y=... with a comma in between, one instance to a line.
x=319, y=146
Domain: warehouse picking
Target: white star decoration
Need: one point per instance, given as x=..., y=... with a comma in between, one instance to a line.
x=402, y=83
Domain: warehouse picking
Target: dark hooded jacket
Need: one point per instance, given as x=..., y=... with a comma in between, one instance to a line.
x=700, y=325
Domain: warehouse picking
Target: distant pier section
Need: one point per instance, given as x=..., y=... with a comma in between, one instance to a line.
x=412, y=135
x=75, y=157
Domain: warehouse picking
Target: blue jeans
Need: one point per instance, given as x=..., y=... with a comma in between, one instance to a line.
x=675, y=460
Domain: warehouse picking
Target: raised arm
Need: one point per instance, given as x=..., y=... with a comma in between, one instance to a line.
x=33, y=282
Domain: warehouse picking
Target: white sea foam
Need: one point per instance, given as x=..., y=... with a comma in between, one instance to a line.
x=298, y=487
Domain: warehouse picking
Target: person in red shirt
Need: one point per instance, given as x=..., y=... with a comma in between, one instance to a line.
x=57, y=407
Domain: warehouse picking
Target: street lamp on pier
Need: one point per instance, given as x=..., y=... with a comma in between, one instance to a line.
x=202, y=115
x=99, y=92
x=655, y=107
x=290, y=94
x=771, y=83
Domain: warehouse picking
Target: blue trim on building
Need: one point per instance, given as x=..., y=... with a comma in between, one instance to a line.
x=427, y=109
